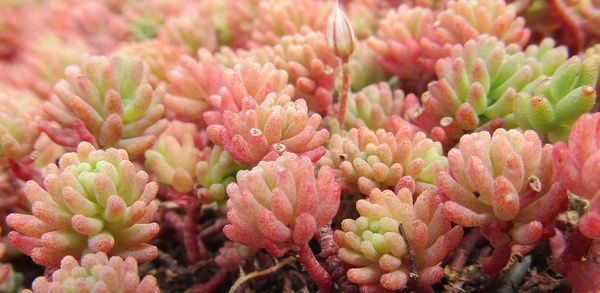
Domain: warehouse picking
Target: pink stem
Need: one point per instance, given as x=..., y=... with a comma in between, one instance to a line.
x=573, y=35
x=215, y=228
x=25, y=172
x=315, y=270
x=497, y=261
x=343, y=94
x=213, y=284
x=334, y=266
x=464, y=250
x=187, y=228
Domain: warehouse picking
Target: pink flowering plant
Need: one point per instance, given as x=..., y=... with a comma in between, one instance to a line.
x=300, y=146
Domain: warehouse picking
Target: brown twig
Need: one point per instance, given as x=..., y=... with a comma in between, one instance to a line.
x=412, y=262
x=243, y=277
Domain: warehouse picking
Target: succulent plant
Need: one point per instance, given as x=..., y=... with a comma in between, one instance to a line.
x=365, y=15
x=191, y=31
x=463, y=20
x=158, y=55
x=145, y=19
x=240, y=17
x=19, y=122
x=246, y=79
x=109, y=102
x=395, y=241
x=577, y=167
x=280, y=18
x=590, y=11
x=379, y=159
x=398, y=42
x=550, y=105
x=502, y=183
x=214, y=172
x=91, y=21
x=579, y=260
x=174, y=157
x=274, y=125
x=93, y=201
x=232, y=255
x=191, y=83
x=480, y=81
x=11, y=32
x=364, y=68
x=311, y=67
x=46, y=58
x=377, y=106
x=282, y=201
x=96, y=273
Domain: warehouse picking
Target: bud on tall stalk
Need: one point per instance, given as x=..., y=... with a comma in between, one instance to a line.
x=341, y=41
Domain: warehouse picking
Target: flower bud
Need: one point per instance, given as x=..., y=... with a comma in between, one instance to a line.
x=340, y=34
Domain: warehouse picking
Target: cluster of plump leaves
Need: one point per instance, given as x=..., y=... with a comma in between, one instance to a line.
x=233, y=102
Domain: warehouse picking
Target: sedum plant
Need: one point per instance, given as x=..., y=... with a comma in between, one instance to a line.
x=19, y=122
x=93, y=201
x=96, y=273
x=311, y=67
x=577, y=167
x=371, y=159
x=174, y=157
x=274, y=125
x=503, y=184
x=479, y=82
x=108, y=102
x=398, y=42
x=397, y=242
x=279, y=205
x=214, y=172
x=551, y=105
x=191, y=83
x=280, y=18
x=377, y=106
x=158, y=55
x=190, y=31
x=464, y=20
x=246, y=79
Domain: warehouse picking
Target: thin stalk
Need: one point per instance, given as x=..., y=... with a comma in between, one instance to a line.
x=213, y=284
x=315, y=270
x=243, y=278
x=344, y=92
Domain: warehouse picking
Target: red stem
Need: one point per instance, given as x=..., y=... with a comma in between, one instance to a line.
x=344, y=94
x=186, y=226
x=315, y=270
x=26, y=172
x=334, y=266
x=573, y=37
x=464, y=250
x=213, y=284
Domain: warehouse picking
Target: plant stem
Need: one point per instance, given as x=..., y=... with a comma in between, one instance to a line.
x=186, y=226
x=244, y=278
x=344, y=93
x=334, y=266
x=515, y=276
x=315, y=270
x=213, y=284
x=464, y=250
